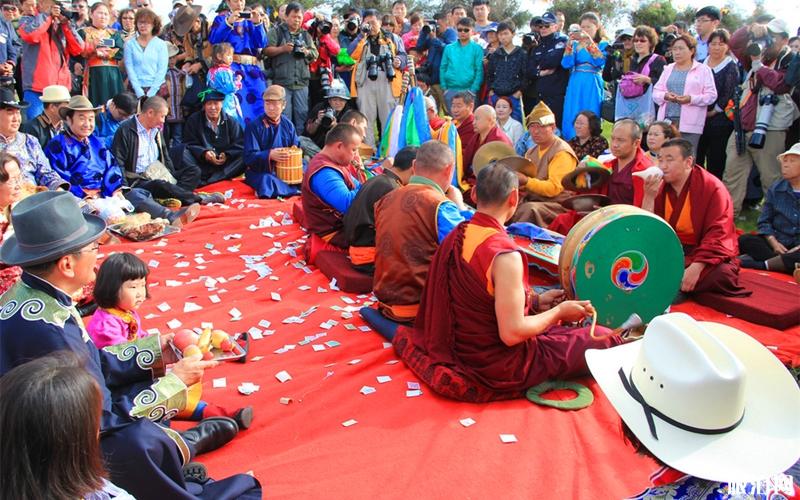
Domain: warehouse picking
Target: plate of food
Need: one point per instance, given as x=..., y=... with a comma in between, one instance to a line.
x=141, y=227
x=211, y=344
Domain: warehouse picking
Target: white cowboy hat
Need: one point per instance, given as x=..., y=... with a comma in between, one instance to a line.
x=705, y=398
x=794, y=150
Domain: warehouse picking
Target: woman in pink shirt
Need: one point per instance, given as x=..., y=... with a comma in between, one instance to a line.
x=685, y=90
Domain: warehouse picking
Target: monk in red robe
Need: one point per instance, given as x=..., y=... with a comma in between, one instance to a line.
x=486, y=130
x=700, y=210
x=463, y=104
x=474, y=339
x=622, y=187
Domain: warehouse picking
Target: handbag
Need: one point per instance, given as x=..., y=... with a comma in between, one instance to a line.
x=157, y=171
x=628, y=87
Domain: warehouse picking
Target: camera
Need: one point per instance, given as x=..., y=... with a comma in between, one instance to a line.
x=327, y=118
x=383, y=62
x=667, y=38
x=615, y=50
x=366, y=28
x=322, y=27
x=69, y=14
x=759, y=136
x=298, y=43
x=530, y=40
x=245, y=15
x=429, y=26
x=757, y=46
x=352, y=23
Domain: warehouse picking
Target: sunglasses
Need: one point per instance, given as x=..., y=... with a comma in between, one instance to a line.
x=464, y=30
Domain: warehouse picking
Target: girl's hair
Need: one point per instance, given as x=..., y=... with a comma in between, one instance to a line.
x=50, y=419
x=595, y=128
x=220, y=49
x=4, y=159
x=116, y=270
x=146, y=14
x=594, y=18
x=670, y=130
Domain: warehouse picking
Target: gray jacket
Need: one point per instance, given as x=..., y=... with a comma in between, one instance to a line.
x=290, y=71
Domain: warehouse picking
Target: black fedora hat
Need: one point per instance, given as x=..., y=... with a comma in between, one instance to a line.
x=47, y=226
x=8, y=99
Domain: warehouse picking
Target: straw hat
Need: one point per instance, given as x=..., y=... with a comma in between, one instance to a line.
x=55, y=93
x=705, y=398
x=542, y=115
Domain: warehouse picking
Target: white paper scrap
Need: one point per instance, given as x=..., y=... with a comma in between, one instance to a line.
x=275, y=296
x=283, y=376
x=174, y=324
x=367, y=390
x=382, y=379
x=219, y=383
x=508, y=438
x=163, y=307
x=348, y=423
x=191, y=307
x=466, y=422
x=214, y=299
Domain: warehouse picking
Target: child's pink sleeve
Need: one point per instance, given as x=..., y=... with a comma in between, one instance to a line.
x=106, y=329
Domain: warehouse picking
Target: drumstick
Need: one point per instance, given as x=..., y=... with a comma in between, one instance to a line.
x=594, y=324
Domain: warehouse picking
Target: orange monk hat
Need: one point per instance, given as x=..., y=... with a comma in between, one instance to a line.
x=541, y=115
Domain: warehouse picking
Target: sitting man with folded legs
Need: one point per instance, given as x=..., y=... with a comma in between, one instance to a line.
x=480, y=334
x=56, y=246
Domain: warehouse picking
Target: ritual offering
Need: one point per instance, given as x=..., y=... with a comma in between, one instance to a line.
x=141, y=227
x=589, y=174
x=209, y=343
x=290, y=170
x=626, y=260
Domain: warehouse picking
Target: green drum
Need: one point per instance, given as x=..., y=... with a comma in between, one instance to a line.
x=625, y=260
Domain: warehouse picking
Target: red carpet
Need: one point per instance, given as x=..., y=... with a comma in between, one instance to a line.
x=400, y=447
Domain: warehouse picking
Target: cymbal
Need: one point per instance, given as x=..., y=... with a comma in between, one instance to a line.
x=517, y=163
x=489, y=152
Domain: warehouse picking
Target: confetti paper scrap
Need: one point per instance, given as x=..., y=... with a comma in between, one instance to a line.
x=264, y=323
x=283, y=376
x=275, y=296
x=354, y=362
x=153, y=263
x=191, y=307
x=413, y=394
x=285, y=401
x=174, y=324
x=382, y=379
x=508, y=438
x=332, y=343
x=248, y=388
x=348, y=423
x=256, y=358
x=412, y=385
x=466, y=422
x=214, y=299
x=366, y=390
x=219, y=383
x=163, y=307
x=235, y=313
x=318, y=347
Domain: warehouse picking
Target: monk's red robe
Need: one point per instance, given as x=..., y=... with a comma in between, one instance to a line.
x=475, y=142
x=707, y=232
x=622, y=188
x=455, y=346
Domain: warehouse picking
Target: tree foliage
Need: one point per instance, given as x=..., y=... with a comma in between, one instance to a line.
x=574, y=9
x=655, y=13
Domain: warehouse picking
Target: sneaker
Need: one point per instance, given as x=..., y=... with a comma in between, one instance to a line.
x=184, y=216
x=208, y=198
x=172, y=203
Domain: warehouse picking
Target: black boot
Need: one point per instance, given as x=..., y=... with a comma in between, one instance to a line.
x=211, y=433
x=244, y=417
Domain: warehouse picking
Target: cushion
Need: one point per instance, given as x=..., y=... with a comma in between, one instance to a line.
x=336, y=265
x=297, y=213
x=380, y=323
x=773, y=302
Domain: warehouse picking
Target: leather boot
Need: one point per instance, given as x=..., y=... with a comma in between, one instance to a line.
x=211, y=433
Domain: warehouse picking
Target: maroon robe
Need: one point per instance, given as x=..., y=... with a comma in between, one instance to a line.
x=475, y=142
x=455, y=345
x=715, y=241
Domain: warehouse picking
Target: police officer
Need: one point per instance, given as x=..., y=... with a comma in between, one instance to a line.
x=544, y=65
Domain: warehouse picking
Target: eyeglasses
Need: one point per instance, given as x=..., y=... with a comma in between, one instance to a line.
x=700, y=20
x=464, y=30
x=641, y=40
x=10, y=8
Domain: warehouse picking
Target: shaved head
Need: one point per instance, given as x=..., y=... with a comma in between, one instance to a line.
x=485, y=119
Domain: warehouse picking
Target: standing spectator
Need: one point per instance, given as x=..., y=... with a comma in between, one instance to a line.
x=457, y=13
x=657, y=134
x=636, y=100
x=588, y=138
x=102, y=48
x=11, y=12
x=584, y=56
x=292, y=50
x=146, y=56
x=173, y=91
x=434, y=43
x=794, y=44
x=505, y=74
x=462, y=64
x=327, y=45
x=706, y=21
x=685, y=90
x=618, y=62
x=347, y=36
x=711, y=148
x=399, y=11
x=81, y=8
x=248, y=37
x=190, y=35
x=45, y=126
x=412, y=36
x=480, y=9
x=117, y=109
x=382, y=55
x=127, y=21
x=36, y=170
x=544, y=66
x=48, y=39
x=513, y=129
x=764, y=78
x=9, y=50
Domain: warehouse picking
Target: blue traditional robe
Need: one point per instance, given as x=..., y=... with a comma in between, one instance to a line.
x=247, y=39
x=85, y=164
x=105, y=128
x=260, y=138
x=144, y=458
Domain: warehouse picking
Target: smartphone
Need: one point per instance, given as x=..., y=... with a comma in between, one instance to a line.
x=107, y=42
x=245, y=15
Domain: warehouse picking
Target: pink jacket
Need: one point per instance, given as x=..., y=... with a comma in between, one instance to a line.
x=700, y=86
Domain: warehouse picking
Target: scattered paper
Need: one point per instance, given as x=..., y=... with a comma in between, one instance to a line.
x=354, y=362
x=219, y=383
x=508, y=438
x=153, y=263
x=191, y=307
x=174, y=324
x=214, y=299
x=285, y=401
x=248, y=388
x=466, y=422
x=275, y=296
x=318, y=347
x=412, y=385
x=283, y=376
x=367, y=390
x=382, y=379
x=163, y=307
x=413, y=394
x=235, y=313
x=348, y=423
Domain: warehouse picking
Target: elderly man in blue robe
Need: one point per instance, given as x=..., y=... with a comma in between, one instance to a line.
x=263, y=139
x=78, y=154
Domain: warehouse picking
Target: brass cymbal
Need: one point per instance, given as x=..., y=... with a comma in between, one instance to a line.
x=489, y=152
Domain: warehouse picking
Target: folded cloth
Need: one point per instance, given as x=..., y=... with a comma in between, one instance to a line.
x=533, y=232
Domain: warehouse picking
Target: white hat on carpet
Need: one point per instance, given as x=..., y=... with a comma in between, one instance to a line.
x=705, y=398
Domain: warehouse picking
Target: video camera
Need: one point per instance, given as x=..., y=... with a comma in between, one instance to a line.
x=383, y=62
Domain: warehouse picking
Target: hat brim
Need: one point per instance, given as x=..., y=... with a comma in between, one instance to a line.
x=568, y=181
x=767, y=441
x=15, y=105
x=63, y=111
x=11, y=254
x=184, y=26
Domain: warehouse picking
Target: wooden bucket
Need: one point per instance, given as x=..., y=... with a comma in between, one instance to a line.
x=290, y=171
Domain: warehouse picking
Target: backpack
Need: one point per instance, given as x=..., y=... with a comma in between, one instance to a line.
x=628, y=87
